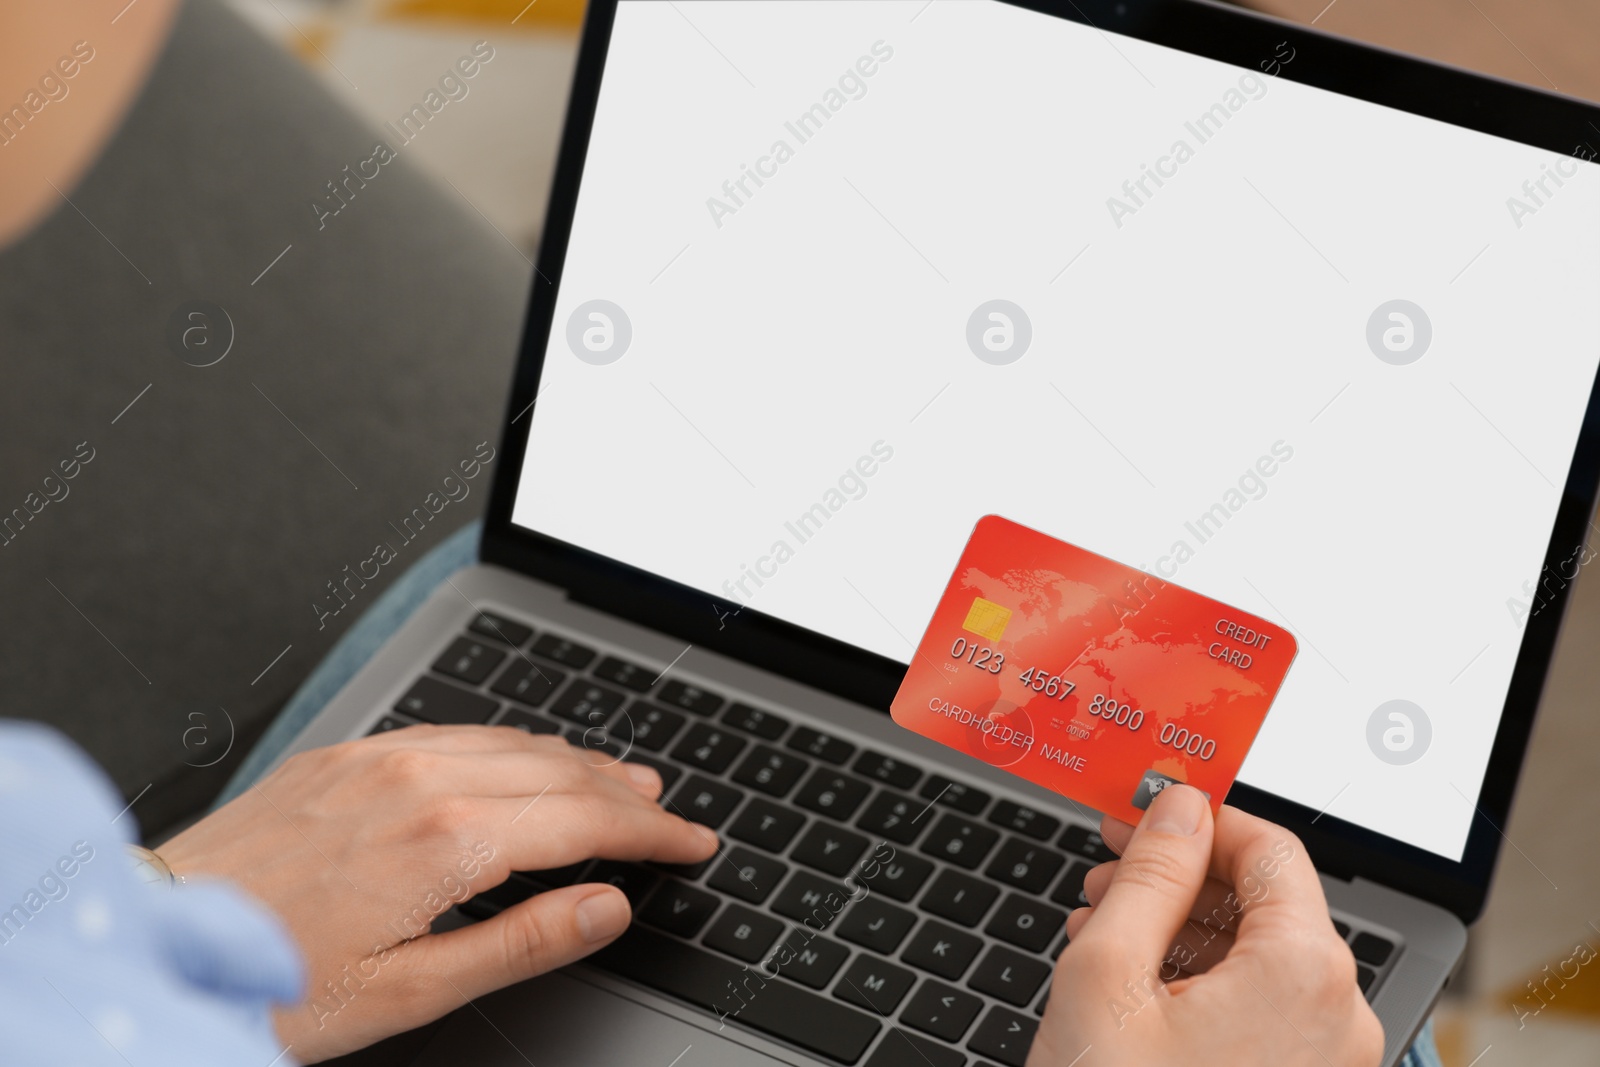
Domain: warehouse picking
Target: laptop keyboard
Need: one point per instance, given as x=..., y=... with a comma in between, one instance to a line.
x=944, y=961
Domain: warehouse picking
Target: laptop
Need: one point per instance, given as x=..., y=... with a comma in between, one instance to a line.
x=1300, y=324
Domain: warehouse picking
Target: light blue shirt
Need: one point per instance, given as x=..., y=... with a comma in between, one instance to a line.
x=96, y=968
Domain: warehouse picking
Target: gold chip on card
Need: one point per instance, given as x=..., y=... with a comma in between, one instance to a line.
x=986, y=619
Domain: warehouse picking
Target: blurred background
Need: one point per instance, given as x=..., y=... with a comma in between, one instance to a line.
x=168, y=610
x=378, y=56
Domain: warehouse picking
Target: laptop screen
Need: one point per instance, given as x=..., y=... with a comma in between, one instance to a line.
x=845, y=277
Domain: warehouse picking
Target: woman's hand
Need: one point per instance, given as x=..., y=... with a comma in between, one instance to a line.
x=360, y=846
x=1205, y=944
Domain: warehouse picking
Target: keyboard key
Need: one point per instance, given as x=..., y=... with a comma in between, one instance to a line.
x=766, y=825
x=648, y=726
x=941, y=949
x=527, y=722
x=1086, y=843
x=874, y=924
x=821, y=745
x=747, y=875
x=769, y=770
x=669, y=773
x=1370, y=948
x=899, y=878
x=679, y=909
x=1026, y=866
x=1342, y=929
x=1025, y=922
x=595, y=739
x=708, y=747
x=874, y=984
x=814, y=901
x=1030, y=821
x=628, y=675
x=941, y=1010
x=1364, y=977
x=886, y=769
x=431, y=700
x=1004, y=1036
x=763, y=724
x=954, y=794
x=693, y=698
x=387, y=723
x=499, y=628
x=814, y=1022
x=959, y=897
x=960, y=841
x=902, y=1049
x=634, y=881
x=1069, y=891
x=563, y=651
x=528, y=683
x=743, y=934
x=832, y=794
x=703, y=801
x=829, y=849
x=469, y=660
x=807, y=958
x=586, y=703
x=1010, y=976
x=894, y=817
x=687, y=871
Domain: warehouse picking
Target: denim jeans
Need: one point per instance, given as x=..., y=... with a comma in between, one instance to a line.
x=350, y=654
x=384, y=617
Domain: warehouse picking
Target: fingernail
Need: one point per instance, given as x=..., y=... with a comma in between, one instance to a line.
x=643, y=777
x=603, y=915
x=1176, y=811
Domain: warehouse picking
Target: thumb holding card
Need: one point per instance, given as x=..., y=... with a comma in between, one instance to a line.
x=1139, y=981
x=1155, y=883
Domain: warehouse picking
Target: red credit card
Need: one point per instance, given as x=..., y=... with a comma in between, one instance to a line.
x=1095, y=680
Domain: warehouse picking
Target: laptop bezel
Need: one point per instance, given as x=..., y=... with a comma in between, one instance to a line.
x=1339, y=848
